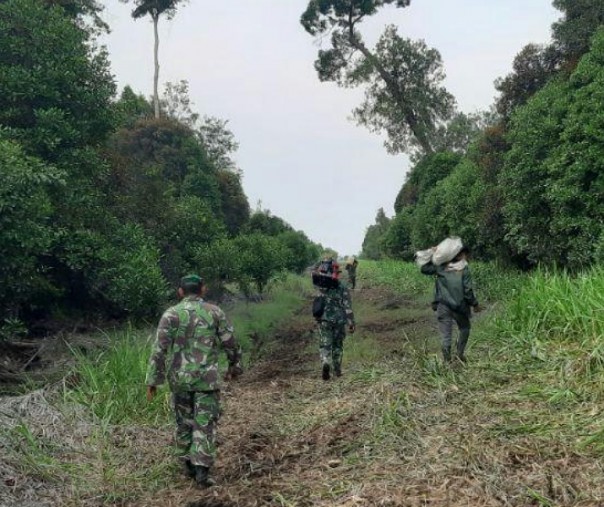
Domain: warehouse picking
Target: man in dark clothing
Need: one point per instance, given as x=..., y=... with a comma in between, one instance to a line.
x=351, y=268
x=453, y=298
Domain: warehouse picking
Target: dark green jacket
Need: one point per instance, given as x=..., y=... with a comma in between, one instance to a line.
x=453, y=288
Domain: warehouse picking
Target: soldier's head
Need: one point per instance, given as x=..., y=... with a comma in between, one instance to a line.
x=464, y=254
x=191, y=285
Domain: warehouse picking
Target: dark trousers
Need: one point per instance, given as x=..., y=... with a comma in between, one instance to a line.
x=446, y=317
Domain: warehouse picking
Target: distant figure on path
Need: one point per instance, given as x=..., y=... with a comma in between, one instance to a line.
x=453, y=298
x=333, y=314
x=351, y=268
x=189, y=336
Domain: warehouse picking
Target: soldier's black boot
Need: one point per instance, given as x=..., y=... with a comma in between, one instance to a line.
x=447, y=355
x=188, y=469
x=325, y=372
x=337, y=369
x=202, y=476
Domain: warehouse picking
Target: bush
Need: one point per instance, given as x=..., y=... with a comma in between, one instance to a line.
x=553, y=179
x=25, y=228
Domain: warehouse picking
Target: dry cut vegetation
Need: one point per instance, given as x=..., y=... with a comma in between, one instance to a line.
x=398, y=429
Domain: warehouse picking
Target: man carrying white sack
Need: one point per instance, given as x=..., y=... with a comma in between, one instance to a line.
x=453, y=298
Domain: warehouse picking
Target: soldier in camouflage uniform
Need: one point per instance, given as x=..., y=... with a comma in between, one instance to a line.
x=189, y=337
x=351, y=269
x=337, y=314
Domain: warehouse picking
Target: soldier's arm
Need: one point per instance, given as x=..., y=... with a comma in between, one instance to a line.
x=348, y=306
x=229, y=344
x=428, y=269
x=468, y=288
x=156, y=370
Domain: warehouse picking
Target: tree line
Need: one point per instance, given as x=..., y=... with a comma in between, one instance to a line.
x=522, y=182
x=103, y=205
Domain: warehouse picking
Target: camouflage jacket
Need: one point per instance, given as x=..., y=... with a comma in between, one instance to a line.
x=189, y=337
x=338, y=305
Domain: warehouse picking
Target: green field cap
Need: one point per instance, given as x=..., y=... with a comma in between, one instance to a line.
x=191, y=281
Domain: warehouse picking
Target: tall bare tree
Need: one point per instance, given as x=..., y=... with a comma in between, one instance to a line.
x=155, y=9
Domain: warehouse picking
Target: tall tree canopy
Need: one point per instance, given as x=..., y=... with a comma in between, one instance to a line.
x=404, y=95
x=573, y=33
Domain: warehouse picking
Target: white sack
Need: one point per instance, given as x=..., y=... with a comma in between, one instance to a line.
x=447, y=250
x=423, y=257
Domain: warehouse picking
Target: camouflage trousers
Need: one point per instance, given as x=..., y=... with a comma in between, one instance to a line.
x=196, y=419
x=352, y=280
x=331, y=345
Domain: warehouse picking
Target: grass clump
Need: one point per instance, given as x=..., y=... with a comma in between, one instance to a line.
x=111, y=384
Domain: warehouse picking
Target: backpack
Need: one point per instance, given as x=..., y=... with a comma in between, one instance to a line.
x=325, y=275
x=318, y=307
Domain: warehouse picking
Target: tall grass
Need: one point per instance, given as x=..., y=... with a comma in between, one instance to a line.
x=556, y=305
x=112, y=383
x=492, y=282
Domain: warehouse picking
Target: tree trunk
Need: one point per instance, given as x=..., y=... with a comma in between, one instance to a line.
x=155, y=16
x=398, y=95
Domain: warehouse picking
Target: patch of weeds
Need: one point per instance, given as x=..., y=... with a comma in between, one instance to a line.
x=36, y=455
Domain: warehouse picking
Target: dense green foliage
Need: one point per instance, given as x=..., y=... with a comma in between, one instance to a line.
x=404, y=95
x=529, y=189
x=104, y=207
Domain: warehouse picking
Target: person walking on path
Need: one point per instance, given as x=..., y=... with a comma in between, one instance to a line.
x=453, y=299
x=189, y=337
x=351, y=269
x=335, y=315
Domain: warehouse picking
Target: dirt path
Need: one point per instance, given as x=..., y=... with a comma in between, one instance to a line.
x=398, y=429
x=290, y=438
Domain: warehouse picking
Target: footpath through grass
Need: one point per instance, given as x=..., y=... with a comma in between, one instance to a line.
x=93, y=439
x=520, y=425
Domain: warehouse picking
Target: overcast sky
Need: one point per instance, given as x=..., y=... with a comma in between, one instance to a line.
x=251, y=62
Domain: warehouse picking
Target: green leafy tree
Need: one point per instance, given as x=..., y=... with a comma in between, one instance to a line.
x=423, y=176
x=130, y=108
x=301, y=251
x=155, y=9
x=234, y=204
x=55, y=90
x=126, y=278
x=452, y=207
x=162, y=180
x=219, y=143
x=177, y=104
x=404, y=96
x=263, y=222
x=457, y=134
x=372, y=248
x=573, y=33
x=396, y=242
x=553, y=181
x=83, y=12
x=260, y=259
x=26, y=232
x=533, y=67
